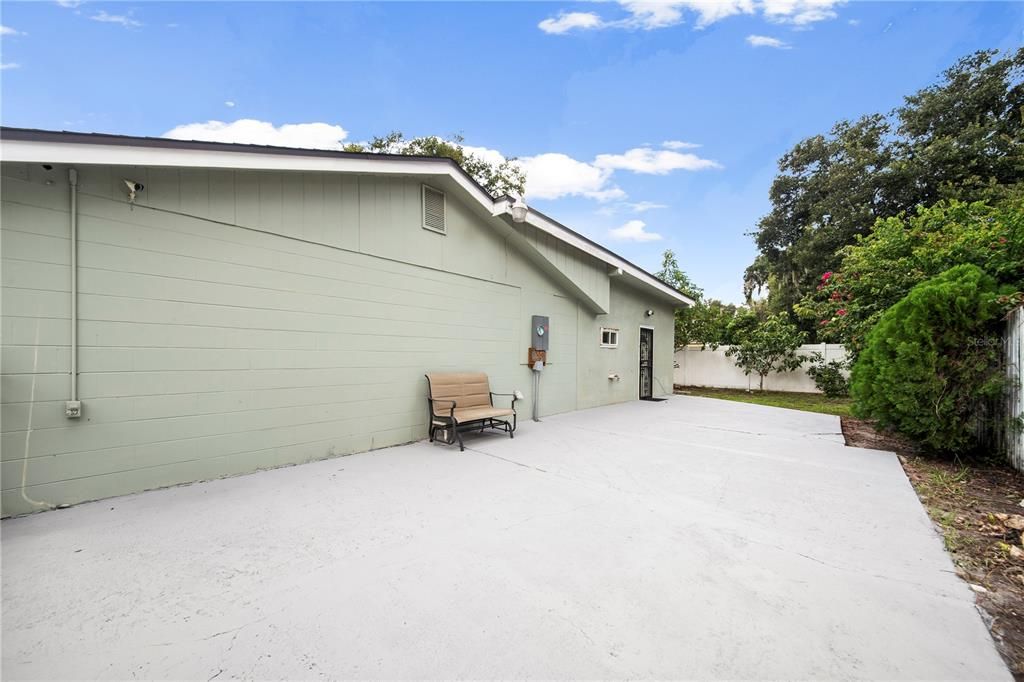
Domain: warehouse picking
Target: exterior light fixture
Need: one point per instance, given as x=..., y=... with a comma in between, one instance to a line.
x=519, y=210
x=649, y=313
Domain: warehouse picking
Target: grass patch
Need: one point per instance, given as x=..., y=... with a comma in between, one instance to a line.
x=808, y=402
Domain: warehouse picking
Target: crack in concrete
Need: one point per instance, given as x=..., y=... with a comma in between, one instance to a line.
x=837, y=567
x=606, y=483
x=510, y=461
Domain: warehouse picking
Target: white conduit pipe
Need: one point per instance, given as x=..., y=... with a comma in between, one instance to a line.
x=536, y=396
x=73, y=181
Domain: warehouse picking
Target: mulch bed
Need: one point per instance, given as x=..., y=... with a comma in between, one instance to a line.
x=978, y=507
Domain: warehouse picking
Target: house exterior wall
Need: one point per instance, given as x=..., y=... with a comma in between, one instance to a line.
x=232, y=321
x=596, y=363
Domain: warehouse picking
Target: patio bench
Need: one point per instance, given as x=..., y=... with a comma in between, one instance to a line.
x=463, y=401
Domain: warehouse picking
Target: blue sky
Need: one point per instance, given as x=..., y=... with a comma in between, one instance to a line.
x=586, y=93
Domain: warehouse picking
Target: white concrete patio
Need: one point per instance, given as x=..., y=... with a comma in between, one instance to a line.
x=692, y=538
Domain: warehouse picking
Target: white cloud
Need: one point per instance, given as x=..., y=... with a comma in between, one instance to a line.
x=644, y=206
x=799, y=12
x=677, y=144
x=710, y=11
x=651, y=14
x=609, y=194
x=648, y=15
x=8, y=31
x=229, y=104
x=568, y=21
x=70, y=4
x=123, y=19
x=554, y=175
x=767, y=41
x=634, y=231
x=489, y=155
x=251, y=131
x=9, y=65
x=626, y=206
x=652, y=162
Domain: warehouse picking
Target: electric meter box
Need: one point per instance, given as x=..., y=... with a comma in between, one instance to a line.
x=541, y=332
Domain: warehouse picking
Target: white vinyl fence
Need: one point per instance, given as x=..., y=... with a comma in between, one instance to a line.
x=1013, y=347
x=712, y=369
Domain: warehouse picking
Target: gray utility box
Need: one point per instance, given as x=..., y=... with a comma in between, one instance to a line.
x=541, y=332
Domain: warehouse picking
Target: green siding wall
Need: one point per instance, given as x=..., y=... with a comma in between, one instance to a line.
x=233, y=321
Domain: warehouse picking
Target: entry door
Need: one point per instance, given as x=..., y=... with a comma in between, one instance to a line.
x=646, y=363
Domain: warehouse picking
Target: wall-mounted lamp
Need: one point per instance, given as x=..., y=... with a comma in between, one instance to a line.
x=133, y=187
x=519, y=210
x=649, y=313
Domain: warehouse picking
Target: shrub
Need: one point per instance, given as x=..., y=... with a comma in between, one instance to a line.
x=932, y=360
x=830, y=377
x=767, y=346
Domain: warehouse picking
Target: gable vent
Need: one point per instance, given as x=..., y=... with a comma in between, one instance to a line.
x=433, y=210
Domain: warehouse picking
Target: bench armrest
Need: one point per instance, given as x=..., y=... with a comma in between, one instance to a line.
x=505, y=395
x=451, y=410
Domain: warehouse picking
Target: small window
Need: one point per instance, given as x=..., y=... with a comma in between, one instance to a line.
x=609, y=337
x=433, y=210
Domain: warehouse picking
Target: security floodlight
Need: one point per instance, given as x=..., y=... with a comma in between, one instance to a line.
x=519, y=210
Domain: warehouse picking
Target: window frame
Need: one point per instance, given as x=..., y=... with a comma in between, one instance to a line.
x=614, y=331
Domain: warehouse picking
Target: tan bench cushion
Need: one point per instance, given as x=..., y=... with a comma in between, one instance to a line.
x=471, y=414
x=467, y=389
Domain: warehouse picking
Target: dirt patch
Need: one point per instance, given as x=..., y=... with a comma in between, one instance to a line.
x=861, y=433
x=978, y=507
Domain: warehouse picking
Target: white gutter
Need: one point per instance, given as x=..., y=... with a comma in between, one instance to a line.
x=125, y=155
x=73, y=407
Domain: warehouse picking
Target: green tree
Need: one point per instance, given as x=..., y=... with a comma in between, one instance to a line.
x=769, y=346
x=901, y=252
x=708, y=320
x=498, y=179
x=830, y=189
x=673, y=275
x=958, y=139
x=962, y=138
x=932, y=360
x=711, y=323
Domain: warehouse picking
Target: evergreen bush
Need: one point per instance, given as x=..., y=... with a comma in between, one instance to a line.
x=932, y=361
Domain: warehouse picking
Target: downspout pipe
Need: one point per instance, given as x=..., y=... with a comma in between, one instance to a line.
x=73, y=408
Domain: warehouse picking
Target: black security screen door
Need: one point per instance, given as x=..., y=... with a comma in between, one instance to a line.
x=646, y=363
